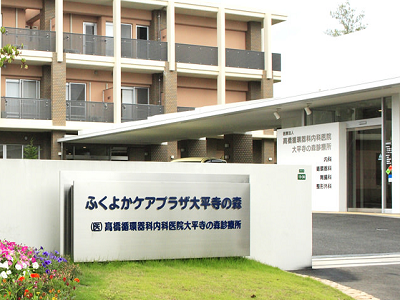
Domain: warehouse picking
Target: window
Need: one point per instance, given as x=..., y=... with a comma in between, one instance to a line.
x=75, y=91
x=23, y=88
x=142, y=32
x=14, y=151
x=135, y=95
x=126, y=30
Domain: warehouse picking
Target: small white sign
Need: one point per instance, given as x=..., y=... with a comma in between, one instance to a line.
x=160, y=220
x=322, y=147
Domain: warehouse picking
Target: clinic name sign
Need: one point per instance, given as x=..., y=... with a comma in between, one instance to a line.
x=154, y=220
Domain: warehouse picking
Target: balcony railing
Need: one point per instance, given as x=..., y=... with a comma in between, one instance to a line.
x=194, y=54
x=244, y=59
x=185, y=108
x=135, y=112
x=88, y=44
x=32, y=39
x=276, y=62
x=144, y=49
x=78, y=110
x=25, y=108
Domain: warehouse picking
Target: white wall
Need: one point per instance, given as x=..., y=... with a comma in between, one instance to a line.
x=280, y=204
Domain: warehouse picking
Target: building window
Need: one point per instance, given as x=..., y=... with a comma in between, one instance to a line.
x=135, y=95
x=75, y=91
x=142, y=32
x=14, y=151
x=23, y=88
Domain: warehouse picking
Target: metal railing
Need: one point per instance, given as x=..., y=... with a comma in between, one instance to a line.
x=135, y=112
x=25, y=108
x=88, y=111
x=185, y=108
x=88, y=44
x=244, y=59
x=144, y=49
x=31, y=39
x=194, y=54
x=276, y=62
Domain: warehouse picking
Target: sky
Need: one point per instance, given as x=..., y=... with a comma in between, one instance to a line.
x=313, y=61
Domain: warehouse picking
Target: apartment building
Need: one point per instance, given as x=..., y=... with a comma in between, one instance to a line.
x=95, y=64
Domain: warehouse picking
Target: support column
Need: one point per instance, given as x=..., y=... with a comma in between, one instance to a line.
x=58, y=80
x=117, y=61
x=253, y=43
x=170, y=90
x=238, y=148
x=396, y=153
x=55, y=146
x=59, y=30
x=164, y=152
x=221, y=82
x=268, y=148
x=267, y=45
x=267, y=87
x=171, y=34
x=46, y=14
x=193, y=148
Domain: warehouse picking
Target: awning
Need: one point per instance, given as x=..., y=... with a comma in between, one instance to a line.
x=240, y=117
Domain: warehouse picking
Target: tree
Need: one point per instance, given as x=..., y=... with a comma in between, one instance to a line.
x=348, y=18
x=8, y=53
x=30, y=151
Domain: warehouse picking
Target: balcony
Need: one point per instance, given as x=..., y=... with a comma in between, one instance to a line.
x=25, y=108
x=144, y=49
x=32, y=39
x=194, y=54
x=78, y=110
x=88, y=44
x=135, y=112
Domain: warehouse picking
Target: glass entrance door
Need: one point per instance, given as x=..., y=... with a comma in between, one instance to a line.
x=364, y=169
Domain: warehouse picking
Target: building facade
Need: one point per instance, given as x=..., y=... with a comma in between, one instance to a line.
x=95, y=64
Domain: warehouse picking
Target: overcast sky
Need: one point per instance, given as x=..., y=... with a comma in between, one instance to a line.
x=313, y=61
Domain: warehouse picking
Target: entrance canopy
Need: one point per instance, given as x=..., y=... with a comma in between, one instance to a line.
x=230, y=118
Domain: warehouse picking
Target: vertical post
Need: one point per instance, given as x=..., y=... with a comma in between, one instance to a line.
x=267, y=45
x=383, y=151
x=395, y=153
x=221, y=84
x=117, y=61
x=59, y=30
x=171, y=34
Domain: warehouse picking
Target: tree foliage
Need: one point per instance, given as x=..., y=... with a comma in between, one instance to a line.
x=8, y=53
x=348, y=18
x=30, y=151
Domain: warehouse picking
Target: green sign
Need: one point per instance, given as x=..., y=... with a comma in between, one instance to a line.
x=301, y=170
x=301, y=176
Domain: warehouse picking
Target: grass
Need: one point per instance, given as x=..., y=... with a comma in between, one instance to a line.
x=209, y=278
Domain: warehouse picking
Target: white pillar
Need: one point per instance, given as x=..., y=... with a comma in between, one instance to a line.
x=59, y=30
x=171, y=34
x=396, y=153
x=117, y=61
x=221, y=84
x=267, y=45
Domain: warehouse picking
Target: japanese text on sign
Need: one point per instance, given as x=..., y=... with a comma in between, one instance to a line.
x=166, y=225
x=169, y=202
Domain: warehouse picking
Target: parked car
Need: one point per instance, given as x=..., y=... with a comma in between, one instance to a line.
x=200, y=160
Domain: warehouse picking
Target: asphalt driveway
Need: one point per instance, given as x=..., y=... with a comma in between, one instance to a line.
x=354, y=234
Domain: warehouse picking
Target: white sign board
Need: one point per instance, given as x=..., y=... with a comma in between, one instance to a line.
x=135, y=220
x=323, y=147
